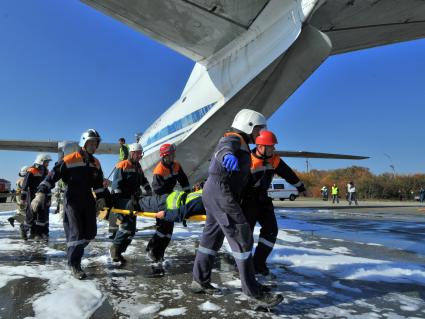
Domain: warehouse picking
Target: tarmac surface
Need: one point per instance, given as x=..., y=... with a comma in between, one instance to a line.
x=330, y=261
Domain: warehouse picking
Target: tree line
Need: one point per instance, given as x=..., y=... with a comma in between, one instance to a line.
x=368, y=185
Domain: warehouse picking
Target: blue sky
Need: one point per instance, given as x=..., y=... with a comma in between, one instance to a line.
x=64, y=67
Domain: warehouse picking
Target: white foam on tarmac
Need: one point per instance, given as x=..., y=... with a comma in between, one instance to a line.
x=171, y=312
x=311, y=262
x=406, y=303
x=341, y=250
x=209, y=306
x=8, y=244
x=149, y=309
x=64, y=297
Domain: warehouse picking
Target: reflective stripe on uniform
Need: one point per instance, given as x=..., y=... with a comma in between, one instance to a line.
x=159, y=234
x=46, y=183
x=262, y=168
x=125, y=231
x=241, y=256
x=174, y=200
x=265, y=242
x=298, y=184
x=78, y=164
x=117, y=191
x=40, y=224
x=207, y=251
x=193, y=195
x=99, y=190
x=77, y=242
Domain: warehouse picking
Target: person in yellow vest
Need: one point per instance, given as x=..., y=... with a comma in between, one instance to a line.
x=335, y=194
x=124, y=149
x=173, y=207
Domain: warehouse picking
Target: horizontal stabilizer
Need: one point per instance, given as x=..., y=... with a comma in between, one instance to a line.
x=53, y=146
x=29, y=146
x=304, y=154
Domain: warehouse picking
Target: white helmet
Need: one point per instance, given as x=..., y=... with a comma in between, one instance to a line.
x=23, y=171
x=246, y=120
x=135, y=147
x=41, y=158
x=90, y=134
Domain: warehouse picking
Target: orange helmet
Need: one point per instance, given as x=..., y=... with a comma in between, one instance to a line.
x=266, y=138
x=167, y=149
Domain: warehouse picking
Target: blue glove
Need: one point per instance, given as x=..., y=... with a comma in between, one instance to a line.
x=230, y=163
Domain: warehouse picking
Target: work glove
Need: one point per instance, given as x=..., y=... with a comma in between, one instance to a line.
x=100, y=204
x=230, y=163
x=38, y=202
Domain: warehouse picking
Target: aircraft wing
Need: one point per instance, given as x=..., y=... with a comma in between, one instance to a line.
x=305, y=154
x=200, y=28
x=53, y=146
x=359, y=24
x=194, y=28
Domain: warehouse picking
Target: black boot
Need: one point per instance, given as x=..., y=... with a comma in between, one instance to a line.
x=208, y=289
x=262, y=270
x=23, y=232
x=11, y=220
x=265, y=301
x=115, y=253
x=78, y=273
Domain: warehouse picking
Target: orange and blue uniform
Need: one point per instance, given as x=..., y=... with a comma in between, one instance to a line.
x=82, y=175
x=128, y=178
x=164, y=180
x=36, y=222
x=166, y=177
x=258, y=207
x=222, y=193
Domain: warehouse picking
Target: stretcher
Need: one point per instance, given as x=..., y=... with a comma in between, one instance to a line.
x=103, y=214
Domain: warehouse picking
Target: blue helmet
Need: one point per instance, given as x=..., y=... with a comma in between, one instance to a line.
x=90, y=134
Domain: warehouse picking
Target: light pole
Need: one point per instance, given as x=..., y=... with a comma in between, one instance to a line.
x=391, y=163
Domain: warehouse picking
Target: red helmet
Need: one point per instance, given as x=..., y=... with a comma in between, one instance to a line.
x=167, y=149
x=266, y=138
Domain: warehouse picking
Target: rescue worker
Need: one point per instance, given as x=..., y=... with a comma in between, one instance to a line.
x=229, y=172
x=36, y=220
x=257, y=205
x=127, y=180
x=165, y=177
x=335, y=194
x=20, y=214
x=83, y=176
x=124, y=149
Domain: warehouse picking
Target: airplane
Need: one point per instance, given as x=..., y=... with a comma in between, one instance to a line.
x=248, y=54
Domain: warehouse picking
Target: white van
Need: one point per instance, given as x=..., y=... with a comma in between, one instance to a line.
x=280, y=189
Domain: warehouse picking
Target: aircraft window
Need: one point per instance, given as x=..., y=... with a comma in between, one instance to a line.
x=279, y=186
